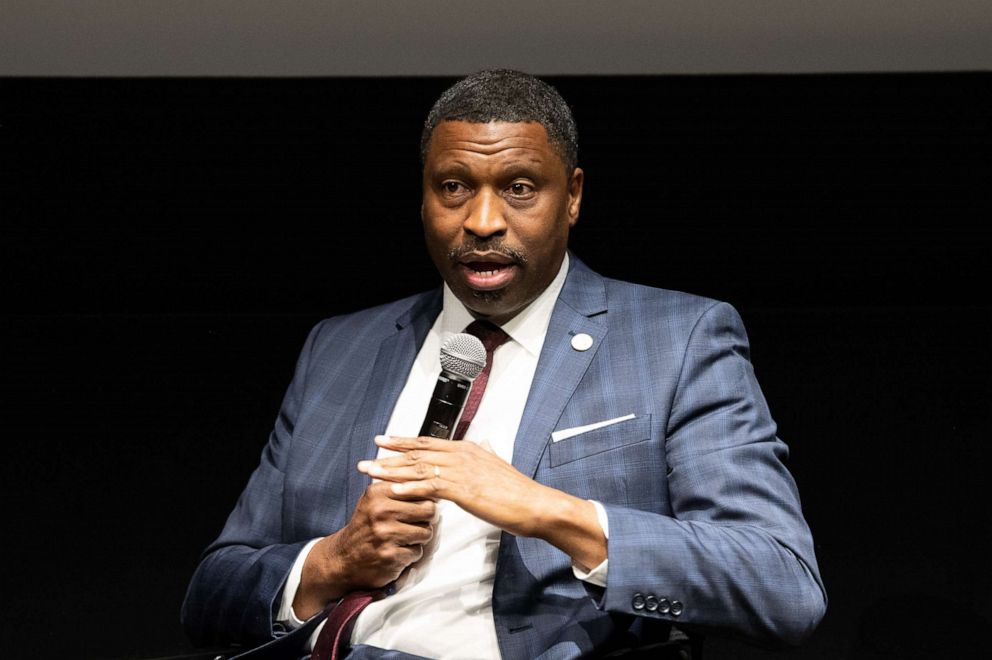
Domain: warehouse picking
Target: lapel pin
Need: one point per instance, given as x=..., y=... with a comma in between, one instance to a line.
x=582, y=342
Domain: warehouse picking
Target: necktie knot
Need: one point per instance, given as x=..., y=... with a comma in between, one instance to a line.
x=491, y=335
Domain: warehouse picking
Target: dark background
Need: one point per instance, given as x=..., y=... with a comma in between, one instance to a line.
x=167, y=244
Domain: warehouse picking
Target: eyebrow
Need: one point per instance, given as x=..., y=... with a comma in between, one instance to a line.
x=530, y=166
x=453, y=166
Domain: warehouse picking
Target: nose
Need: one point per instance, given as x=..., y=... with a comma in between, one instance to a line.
x=485, y=216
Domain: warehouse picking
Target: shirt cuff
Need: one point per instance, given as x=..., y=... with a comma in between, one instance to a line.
x=286, y=616
x=597, y=575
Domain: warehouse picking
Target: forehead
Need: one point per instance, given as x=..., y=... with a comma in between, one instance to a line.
x=496, y=140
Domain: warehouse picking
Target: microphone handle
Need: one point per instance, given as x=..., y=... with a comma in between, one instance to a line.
x=446, y=406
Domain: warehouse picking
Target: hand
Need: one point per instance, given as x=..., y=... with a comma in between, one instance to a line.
x=483, y=484
x=386, y=533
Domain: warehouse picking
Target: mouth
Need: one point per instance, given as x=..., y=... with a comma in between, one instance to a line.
x=487, y=272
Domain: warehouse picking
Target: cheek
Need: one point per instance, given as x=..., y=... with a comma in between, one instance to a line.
x=439, y=224
x=437, y=246
x=539, y=235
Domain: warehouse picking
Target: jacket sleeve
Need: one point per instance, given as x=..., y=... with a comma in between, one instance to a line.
x=736, y=553
x=235, y=590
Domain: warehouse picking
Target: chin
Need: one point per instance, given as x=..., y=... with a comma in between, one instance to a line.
x=488, y=297
x=491, y=305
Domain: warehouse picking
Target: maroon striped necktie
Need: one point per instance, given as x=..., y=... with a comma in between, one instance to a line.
x=492, y=337
x=336, y=633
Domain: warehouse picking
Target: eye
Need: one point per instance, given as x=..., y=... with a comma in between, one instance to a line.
x=452, y=187
x=520, y=189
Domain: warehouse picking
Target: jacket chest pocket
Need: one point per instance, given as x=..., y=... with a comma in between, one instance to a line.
x=596, y=441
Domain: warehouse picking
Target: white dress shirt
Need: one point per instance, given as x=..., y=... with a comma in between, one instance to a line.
x=442, y=607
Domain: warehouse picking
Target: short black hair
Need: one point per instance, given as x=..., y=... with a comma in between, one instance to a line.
x=506, y=95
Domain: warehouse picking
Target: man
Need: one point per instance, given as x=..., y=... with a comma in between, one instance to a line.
x=620, y=482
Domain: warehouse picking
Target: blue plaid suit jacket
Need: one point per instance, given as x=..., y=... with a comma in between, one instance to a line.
x=701, y=507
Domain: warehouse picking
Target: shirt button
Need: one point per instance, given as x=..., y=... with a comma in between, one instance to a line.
x=651, y=603
x=637, y=602
x=664, y=606
x=676, y=607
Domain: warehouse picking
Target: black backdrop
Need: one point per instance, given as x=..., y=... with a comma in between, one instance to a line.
x=167, y=244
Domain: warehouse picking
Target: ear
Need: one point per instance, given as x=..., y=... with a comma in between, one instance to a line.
x=575, y=195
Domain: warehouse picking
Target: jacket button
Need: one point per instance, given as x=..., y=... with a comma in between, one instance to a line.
x=664, y=606
x=676, y=607
x=637, y=602
x=651, y=603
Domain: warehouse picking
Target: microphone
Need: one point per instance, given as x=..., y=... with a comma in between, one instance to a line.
x=463, y=357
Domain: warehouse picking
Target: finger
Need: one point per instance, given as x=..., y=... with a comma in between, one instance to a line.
x=397, y=557
x=388, y=507
x=401, y=444
x=419, y=471
x=418, y=512
x=407, y=458
x=381, y=498
x=406, y=535
x=400, y=528
x=407, y=497
x=433, y=489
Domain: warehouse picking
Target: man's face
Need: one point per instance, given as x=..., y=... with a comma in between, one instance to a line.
x=497, y=209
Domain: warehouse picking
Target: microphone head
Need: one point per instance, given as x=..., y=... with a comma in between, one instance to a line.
x=463, y=355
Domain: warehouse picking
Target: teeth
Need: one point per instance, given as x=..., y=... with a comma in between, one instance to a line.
x=488, y=273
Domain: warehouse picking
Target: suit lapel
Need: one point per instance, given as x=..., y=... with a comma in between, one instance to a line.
x=579, y=310
x=386, y=379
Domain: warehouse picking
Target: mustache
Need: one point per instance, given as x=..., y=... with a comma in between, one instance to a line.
x=479, y=245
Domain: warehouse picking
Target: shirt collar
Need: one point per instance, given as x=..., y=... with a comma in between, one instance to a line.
x=527, y=328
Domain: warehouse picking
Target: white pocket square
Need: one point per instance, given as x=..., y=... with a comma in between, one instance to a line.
x=564, y=434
